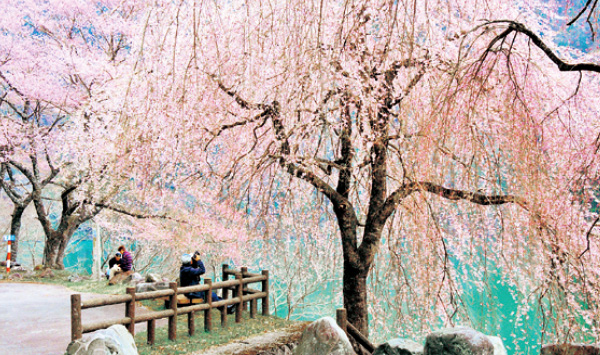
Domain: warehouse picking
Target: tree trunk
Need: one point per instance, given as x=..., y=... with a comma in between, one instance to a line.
x=15, y=227
x=60, y=255
x=50, y=250
x=355, y=298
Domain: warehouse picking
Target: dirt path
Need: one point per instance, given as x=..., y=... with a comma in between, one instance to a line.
x=35, y=318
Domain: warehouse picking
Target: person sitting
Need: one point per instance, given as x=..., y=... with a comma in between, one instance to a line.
x=125, y=265
x=114, y=266
x=189, y=275
x=126, y=260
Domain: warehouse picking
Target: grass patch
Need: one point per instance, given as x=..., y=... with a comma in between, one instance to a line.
x=203, y=340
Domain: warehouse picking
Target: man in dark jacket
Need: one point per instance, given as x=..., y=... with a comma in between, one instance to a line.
x=189, y=275
x=126, y=260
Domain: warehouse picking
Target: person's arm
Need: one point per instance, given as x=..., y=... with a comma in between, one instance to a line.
x=197, y=263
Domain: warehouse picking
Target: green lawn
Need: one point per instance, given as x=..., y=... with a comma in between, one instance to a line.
x=201, y=339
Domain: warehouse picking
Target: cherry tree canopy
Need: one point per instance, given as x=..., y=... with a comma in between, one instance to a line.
x=456, y=134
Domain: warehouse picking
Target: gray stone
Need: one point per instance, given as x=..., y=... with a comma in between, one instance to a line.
x=570, y=349
x=46, y=273
x=134, y=278
x=15, y=276
x=151, y=286
x=458, y=341
x=499, y=348
x=115, y=340
x=324, y=337
x=74, y=278
x=153, y=278
x=399, y=347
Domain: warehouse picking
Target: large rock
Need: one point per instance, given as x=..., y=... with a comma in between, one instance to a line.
x=458, y=341
x=151, y=286
x=153, y=278
x=135, y=278
x=399, y=347
x=499, y=348
x=324, y=337
x=570, y=349
x=115, y=340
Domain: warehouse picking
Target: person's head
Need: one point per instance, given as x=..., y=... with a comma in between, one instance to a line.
x=118, y=256
x=186, y=259
x=121, y=249
x=196, y=255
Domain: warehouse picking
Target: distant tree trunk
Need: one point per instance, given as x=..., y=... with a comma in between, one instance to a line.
x=62, y=246
x=50, y=250
x=15, y=227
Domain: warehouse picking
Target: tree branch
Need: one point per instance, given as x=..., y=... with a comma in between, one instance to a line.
x=450, y=194
x=561, y=64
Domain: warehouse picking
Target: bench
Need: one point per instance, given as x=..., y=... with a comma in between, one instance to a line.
x=182, y=300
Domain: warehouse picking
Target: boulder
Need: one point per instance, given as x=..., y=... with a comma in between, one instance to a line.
x=15, y=276
x=570, y=349
x=112, y=341
x=46, y=273
x=399, y=347
x=153, y=278
x=151, y=286
x=324, y=336
x=499, y=348
x=458, y=341
x=74, y=278
x=134, y=278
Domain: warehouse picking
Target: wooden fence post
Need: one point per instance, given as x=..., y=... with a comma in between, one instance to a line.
x=224, y=295
x=253, y=308
x=173, y=318
x=191, y=323
x=207, y=312
x=151, y=328
x=265, y=288
x=342, y=321
x=239, y=293
x=76, y=327
x=130, y=310
x=244, y=270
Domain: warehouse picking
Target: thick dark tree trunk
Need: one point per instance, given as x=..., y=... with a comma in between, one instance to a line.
x=355, y=298
x=51, y=250
x=15, y=227
x=60, y=254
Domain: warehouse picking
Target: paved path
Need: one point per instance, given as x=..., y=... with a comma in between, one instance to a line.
x=35, y=318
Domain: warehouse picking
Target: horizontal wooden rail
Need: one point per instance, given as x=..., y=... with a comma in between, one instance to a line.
x=153, y=315
x=105, y=324
x=153, y=294
x=105, y=301
x=238, y=286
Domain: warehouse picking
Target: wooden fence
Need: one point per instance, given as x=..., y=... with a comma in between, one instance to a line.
x=351, y=331
x=241, y=296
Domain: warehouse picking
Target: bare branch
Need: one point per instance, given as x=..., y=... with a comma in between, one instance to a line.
x=561, y=64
